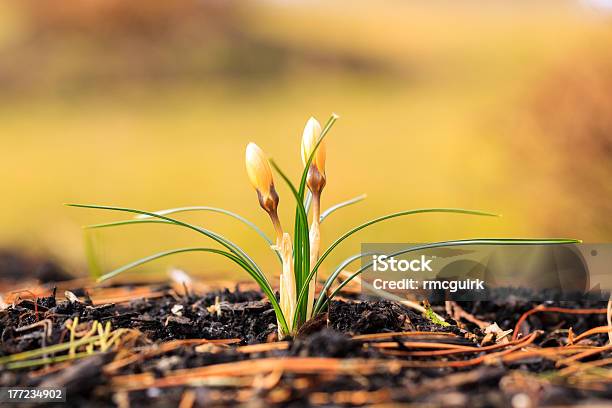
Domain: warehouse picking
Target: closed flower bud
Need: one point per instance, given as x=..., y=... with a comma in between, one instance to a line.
x=260, y=175
x=316, y=172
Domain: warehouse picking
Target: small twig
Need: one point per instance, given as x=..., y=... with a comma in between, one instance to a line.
x=188, y=399
x=553, y=353
x=47, y=327
x=542, y=308
x=585, y=366
x=457, y=313
x=263, y=347
x=452, y=351
x=296, y=365
x=34, y=299
x=423, y=344
x=584, y=354
x=377, y=336
x=157, y=349
x=590, y=332
x=484, y=359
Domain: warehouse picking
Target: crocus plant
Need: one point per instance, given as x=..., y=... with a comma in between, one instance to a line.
x=299, y=255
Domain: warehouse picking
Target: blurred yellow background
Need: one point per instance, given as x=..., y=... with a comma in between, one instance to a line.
x=500, y=106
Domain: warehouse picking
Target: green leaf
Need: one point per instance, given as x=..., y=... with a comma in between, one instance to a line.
x=308, y=202
x=375, y=221
x=56, y=348
x=301, y=238
x=47, y=360
x=90, y=254
x=212, y=209
x=322, y=301
x=214, y=236
x=126, y=222
x=301, y=248
x=141, y=219
x=343, y=204
x=158, y=255
x=349, y=261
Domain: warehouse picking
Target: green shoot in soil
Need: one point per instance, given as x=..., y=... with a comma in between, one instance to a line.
x=299, y=255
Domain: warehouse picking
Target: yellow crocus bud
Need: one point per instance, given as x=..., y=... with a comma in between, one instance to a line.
x=260, y=175
x=316, y=173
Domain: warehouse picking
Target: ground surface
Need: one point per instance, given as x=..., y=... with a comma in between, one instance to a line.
x=160, y=346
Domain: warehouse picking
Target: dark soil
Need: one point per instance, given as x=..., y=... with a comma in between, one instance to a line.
x=246, y=316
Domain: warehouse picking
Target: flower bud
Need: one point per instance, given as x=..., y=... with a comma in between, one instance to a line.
x=260, y=175
x=316, y=173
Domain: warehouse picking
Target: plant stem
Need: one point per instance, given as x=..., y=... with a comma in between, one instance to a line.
x=288, y=291
x=277, y=227
x=287, y=287
x=315, y=241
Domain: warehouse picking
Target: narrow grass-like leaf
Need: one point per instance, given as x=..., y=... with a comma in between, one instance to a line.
x=313, y=271
x=322, y=301
x=214, y=236
x=56, y=348
x=343, y=204
x=307, y=205
x=93, y=263
x=301, y=241
x=237, y=251
x=349, y=261
x=158, y=255
x=301, y=238
x=141, y=219
x=212, y=209
x=126, y=222
x=308, y=202
x=379, y=292
x=47, y=360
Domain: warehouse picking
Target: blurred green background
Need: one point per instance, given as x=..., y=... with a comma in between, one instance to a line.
x=500, y=106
